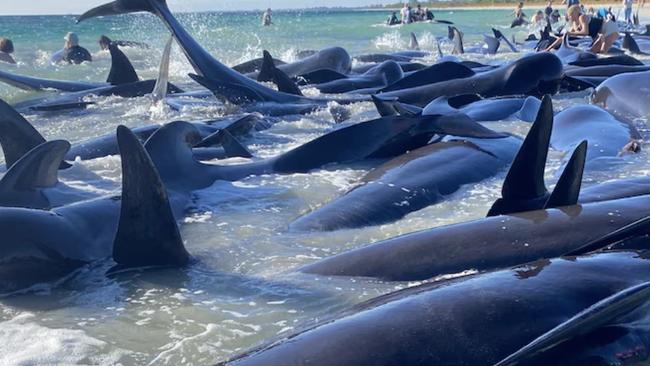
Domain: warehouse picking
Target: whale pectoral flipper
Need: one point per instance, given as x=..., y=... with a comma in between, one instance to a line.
x=37, y=169
x=635, y=229
x=529, y=109
x=597, y=315
x=385, y=106
x=271, y=73
x=567, y=189
x=122, y=71
x=162, y=82
x=147, y=234
x=524, y=188
x=17, y=135
x=231, y=146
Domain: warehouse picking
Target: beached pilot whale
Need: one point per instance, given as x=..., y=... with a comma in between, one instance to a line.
x=382, y=138
x=535, y=74
x=609, y=137
x=18, y=136
x=225, y=83
x=626, y=94
x=498, y=241
x=412, y=181
x=584, y=314
x=135, y=230
x=472, y=105
x=379, y=76
x=335, y=59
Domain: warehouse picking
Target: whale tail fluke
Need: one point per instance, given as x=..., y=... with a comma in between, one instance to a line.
x=117, y=7
x=122, y=71
x=567, y=189
x=269, y=72
x=603, y=313
x=17, y=135
x=492, y=44
x=147, y=234
x=524, y=188
x=37, y=169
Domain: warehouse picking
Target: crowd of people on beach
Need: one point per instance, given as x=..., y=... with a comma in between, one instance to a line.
x=409, y=15
x=599, y=24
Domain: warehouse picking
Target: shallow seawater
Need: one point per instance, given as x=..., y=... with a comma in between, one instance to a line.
x=241, y=289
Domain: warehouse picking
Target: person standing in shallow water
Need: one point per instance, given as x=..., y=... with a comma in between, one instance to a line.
x=266, y=18
x=6, y=49
x=72, y=52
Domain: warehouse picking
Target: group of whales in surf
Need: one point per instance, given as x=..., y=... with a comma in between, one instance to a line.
x=555, y=277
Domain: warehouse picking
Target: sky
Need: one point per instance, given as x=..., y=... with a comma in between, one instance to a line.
x=15, y=7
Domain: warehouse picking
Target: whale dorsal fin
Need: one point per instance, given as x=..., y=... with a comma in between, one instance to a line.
x=37, y=169
x=271, y=73
x=597, y=315
x=122, y=71
x=17, y=135
x=231, y=146
x=567, y=189
x=524, y=188
x=147, y=234
x=629, y=43
x=162, y=82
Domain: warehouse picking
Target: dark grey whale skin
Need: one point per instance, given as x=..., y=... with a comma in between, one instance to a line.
x=477, y=320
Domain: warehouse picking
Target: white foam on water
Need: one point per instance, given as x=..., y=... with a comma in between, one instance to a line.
x=25, y=342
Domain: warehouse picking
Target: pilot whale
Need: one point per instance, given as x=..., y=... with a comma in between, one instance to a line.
x=137, y=229
x=485, y=319
x=412, y=181
x=503, y=240
x=535, y=74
